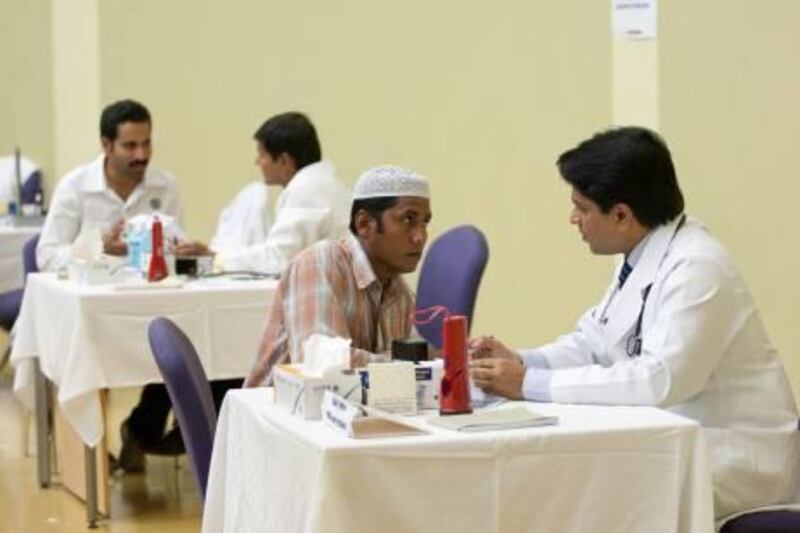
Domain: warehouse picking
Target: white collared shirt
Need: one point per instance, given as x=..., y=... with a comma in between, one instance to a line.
x=245, y=221
x=633, y=257
x=313, y=206
x=83, y=197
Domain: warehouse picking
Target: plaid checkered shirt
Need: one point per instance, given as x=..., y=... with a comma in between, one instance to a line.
x=331, y=289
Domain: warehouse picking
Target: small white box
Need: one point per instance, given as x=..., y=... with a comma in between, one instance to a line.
x=429, y=383
x=428, y=377
x=392, y=387
x=302, y=394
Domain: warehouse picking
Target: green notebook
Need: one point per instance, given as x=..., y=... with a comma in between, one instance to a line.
x=514, y=417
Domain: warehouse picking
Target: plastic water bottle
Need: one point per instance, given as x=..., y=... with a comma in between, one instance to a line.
x=134, y=241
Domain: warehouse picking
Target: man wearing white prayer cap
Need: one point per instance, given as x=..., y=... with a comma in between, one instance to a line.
x=352, y=288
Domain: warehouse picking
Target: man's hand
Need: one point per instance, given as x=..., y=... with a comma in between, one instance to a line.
x=112, y=240
x=192, y=248
x=501, y=376
x=489, y=347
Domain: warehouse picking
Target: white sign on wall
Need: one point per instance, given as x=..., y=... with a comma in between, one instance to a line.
x=634, y=19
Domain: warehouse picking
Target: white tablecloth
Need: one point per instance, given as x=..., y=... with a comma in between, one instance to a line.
x=11, y=242
x=90, y=338
x=601, y=469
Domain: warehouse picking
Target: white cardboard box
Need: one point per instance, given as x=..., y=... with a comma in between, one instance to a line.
x=429, y=383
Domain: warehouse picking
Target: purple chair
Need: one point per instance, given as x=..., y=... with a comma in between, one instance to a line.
x=31, y=186
x=11, y=301
x=189, y=392
x=764, y=522
x=450, y=276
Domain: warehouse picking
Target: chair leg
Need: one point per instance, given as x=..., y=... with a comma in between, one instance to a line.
x=26, y=432
x=6, y=356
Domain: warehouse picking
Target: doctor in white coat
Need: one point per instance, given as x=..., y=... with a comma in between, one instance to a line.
x=314, y=205
x=677, y=327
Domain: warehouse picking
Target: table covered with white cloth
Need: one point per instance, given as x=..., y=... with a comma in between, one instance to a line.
x=12, y=239
x=600, y=469
x=88, y=338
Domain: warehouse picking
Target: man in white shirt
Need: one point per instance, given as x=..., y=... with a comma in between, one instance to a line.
x=116, y=186
x=313, y=205
x=245, y=221
x=677, y=327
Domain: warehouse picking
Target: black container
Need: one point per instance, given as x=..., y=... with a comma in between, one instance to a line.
x=415, y=350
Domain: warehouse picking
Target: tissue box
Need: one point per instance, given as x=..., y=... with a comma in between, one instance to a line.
x=301, y=394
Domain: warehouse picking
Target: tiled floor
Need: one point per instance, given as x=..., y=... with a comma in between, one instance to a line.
x=162, y=499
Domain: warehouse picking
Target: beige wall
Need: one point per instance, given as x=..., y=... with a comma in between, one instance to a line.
x=481, y=98
x=729, y=106
x=26, y=84
x=76, y=78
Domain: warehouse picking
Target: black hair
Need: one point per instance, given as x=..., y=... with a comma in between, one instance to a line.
x=291, y=133
x=374, y=206
x=630, y=165
x=120, y=112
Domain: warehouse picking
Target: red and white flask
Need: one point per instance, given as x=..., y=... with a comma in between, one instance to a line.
x=455, y=397
x=158, y=265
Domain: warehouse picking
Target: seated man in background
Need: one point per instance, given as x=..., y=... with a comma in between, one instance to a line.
x=116, y=186
x=352, y=288
x=312, y=206
x=677, y=328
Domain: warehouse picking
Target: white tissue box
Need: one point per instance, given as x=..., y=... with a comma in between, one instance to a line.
x=301, y=394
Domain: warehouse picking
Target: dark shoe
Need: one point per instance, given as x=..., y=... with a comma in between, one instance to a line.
x=170, y=444
x=113, y=462
x=131, y=456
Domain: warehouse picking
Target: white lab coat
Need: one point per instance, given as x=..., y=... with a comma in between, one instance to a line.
x=313, y=206
x=705, y=355
x=9, y=189
x=245, y=221
x=83, y=197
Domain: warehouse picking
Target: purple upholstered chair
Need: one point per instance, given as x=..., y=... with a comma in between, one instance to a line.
x=450, y=276
x=11, y=301
x=764, y=522
x=189, y=391
x=31, y=186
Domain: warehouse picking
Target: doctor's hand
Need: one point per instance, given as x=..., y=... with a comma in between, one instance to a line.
x=112, y=240
x=499, y=376
x=487, y=346
x=192, y=248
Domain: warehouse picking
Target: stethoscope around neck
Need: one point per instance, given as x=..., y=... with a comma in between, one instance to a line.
x=633, y=344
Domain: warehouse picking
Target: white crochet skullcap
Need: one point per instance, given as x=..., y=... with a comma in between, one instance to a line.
x=390, y=180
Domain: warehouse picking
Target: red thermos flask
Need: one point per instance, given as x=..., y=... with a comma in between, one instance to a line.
x=455, y=398
x=158, y=265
